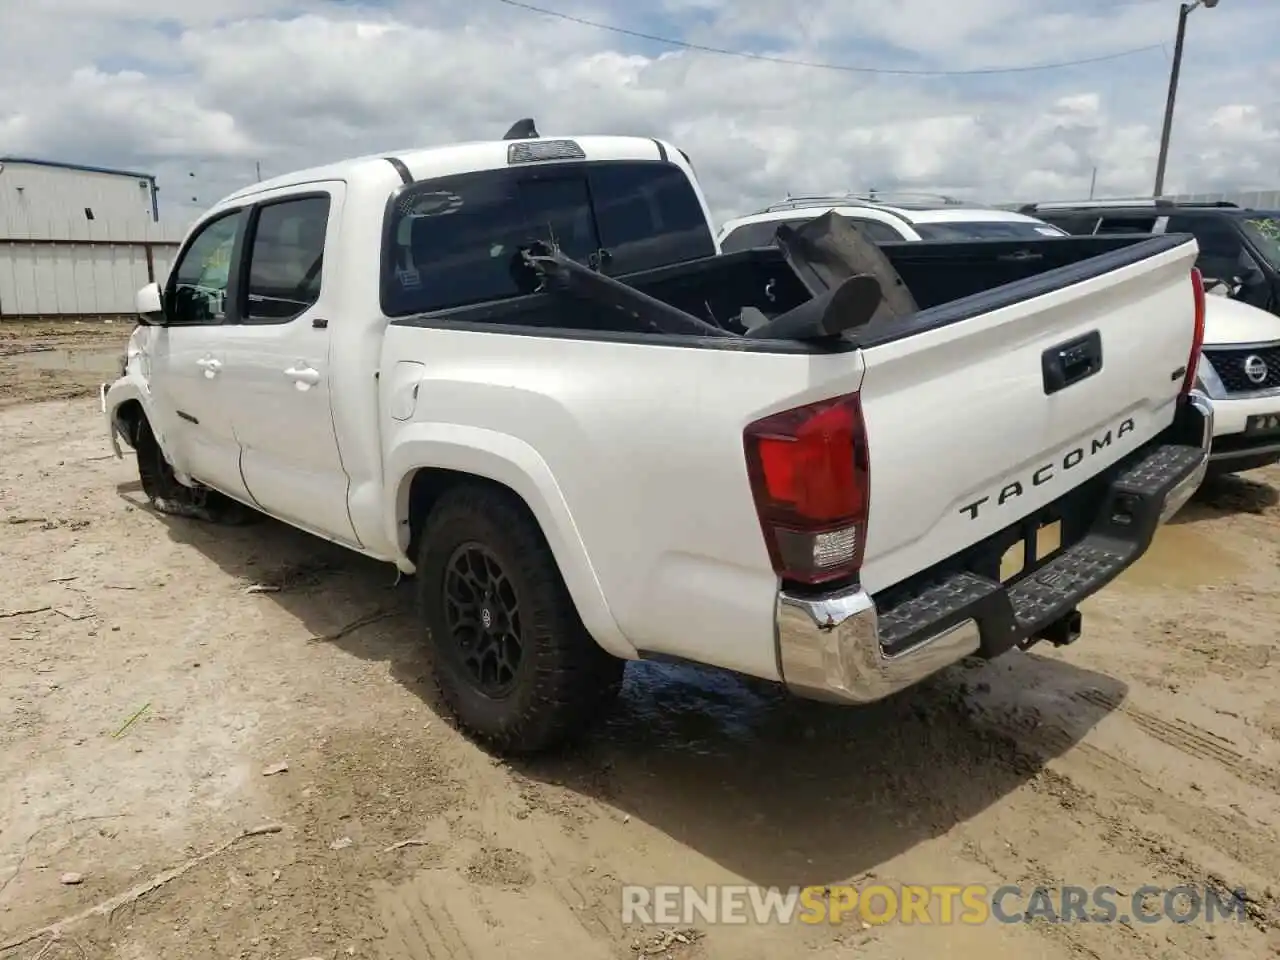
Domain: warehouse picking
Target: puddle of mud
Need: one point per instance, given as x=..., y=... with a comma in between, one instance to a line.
x=689, y=708
x=1183, y=557
x=79, y=361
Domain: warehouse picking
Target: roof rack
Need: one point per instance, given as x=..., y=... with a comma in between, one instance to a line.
x=905, y=201
x=1159, y=203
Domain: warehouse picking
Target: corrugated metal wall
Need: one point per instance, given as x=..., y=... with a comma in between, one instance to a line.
x=48, y=192
x=79, y=269
x=1256, y=199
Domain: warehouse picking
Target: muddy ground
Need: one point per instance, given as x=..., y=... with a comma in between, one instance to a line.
x=167, y=688
x=58, y=360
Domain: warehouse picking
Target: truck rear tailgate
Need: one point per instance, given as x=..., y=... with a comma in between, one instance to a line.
x=987, y=409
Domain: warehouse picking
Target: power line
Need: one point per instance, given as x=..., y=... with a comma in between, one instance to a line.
x=817, y=65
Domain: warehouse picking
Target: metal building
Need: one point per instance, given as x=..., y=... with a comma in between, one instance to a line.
x=76, y=242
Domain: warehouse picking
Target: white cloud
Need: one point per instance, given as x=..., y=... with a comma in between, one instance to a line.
x=211, y=89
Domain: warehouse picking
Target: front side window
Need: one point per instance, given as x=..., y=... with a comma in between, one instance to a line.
x=198, y=290
x=1264, y=230
x=286, y=259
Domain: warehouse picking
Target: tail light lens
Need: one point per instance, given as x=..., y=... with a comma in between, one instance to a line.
x=1197, y=340
x=810, y=477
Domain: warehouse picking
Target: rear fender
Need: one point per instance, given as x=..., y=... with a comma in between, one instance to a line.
x=514, y=464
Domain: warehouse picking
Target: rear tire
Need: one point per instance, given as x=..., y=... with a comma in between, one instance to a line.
x=168, y=495
x=511, y=657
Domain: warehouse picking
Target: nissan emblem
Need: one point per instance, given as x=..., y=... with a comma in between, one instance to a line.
x=1255, y=368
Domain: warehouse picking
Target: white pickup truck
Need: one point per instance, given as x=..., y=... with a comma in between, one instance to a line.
x=522, y=372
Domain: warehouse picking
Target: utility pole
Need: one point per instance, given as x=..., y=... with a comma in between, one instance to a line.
x=1093, y=182
x=1183, y=12
x=257, y=169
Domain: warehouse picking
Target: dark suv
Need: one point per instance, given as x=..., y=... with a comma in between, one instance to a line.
x=1238, y=247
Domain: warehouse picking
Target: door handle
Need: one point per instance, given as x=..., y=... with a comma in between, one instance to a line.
x=1070, y=362
x=303, y=376
x=210, y=366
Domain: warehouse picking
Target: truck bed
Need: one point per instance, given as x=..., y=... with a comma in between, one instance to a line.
x=1031, y=370
x=949, y=281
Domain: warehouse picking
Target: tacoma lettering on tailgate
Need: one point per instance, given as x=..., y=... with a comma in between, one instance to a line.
x=1071, y=459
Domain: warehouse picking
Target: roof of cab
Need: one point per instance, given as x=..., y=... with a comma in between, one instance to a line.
x=425, y=163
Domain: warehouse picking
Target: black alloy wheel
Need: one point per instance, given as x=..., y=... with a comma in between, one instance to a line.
x=482, y=612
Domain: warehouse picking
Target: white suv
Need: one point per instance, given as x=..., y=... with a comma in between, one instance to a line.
x=888, y=219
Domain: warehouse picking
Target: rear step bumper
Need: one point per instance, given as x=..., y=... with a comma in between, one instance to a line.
x=839, y=647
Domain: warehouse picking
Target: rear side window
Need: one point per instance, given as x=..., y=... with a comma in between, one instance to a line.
x=286, y=259
x=1075, y=225
x=877, y=231
x=750, y=236
x=987, y=230
x=457, y=241
x=1127, y=225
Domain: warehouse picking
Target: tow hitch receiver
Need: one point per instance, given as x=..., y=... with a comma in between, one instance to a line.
x=1061, y=632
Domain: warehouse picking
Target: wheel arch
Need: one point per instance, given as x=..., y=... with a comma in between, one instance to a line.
x=127, y=419
x=424, y=469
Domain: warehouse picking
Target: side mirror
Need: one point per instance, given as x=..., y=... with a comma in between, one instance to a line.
x=150, y=307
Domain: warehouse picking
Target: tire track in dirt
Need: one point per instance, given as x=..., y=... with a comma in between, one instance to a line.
x=370, y=761
x=1193, y=740
x=1119, y=794
x=420, y=927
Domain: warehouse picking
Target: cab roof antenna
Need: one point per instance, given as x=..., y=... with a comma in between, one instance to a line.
x=522, y=130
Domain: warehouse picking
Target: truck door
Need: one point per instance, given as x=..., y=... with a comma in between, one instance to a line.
x=187, y=362
x=278, y=364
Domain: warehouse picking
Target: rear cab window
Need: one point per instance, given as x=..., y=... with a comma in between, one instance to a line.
x=457, y=241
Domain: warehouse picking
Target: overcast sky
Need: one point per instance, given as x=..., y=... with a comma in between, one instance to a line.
x=179, y=87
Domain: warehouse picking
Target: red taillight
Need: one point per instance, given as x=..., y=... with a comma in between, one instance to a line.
x=1197, y=339
x=810, y=477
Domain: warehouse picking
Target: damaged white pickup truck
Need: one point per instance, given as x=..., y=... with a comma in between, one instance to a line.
x=521, y=371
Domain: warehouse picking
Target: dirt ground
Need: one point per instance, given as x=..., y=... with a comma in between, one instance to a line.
x=57, y=360
x=221, y=742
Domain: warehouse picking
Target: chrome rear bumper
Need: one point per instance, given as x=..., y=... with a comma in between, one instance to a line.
x=1177, y=498
x=833, y=646
x=829, y=649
